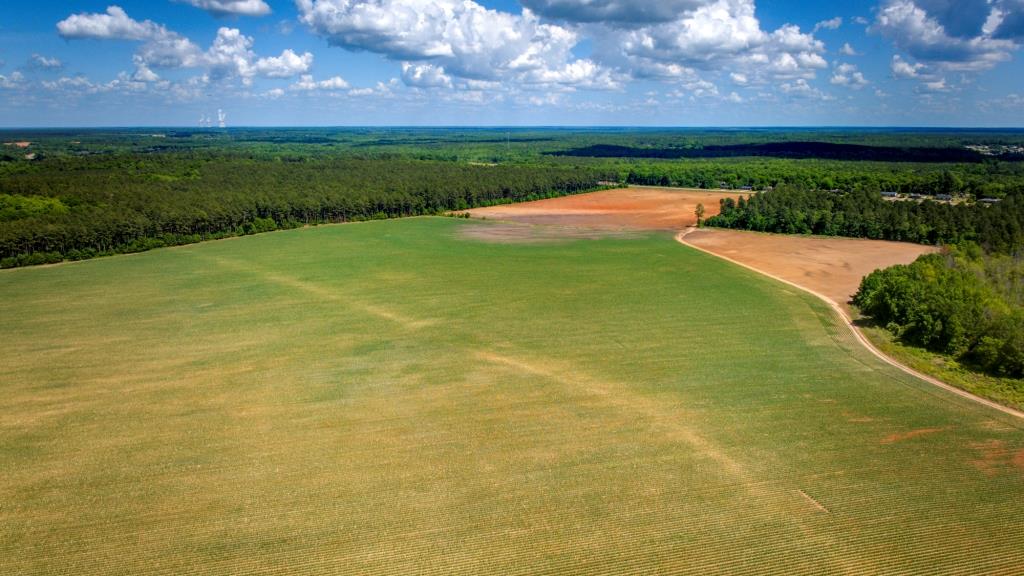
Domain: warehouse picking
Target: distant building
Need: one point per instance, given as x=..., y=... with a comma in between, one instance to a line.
x=989, y=200
x=944, y=197
x=747, y=188
x=889, y=194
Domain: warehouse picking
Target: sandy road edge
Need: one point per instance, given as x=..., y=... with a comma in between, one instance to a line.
x=681, y=238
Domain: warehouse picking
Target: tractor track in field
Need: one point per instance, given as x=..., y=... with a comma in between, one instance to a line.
x=858, y=335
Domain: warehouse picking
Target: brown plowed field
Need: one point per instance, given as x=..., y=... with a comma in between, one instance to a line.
x=833, y=267
x=623, y=208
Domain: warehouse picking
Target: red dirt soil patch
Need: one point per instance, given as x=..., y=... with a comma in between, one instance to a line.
x=993, y=455
x=901, y=436
x=832, y=267
x=622, y=208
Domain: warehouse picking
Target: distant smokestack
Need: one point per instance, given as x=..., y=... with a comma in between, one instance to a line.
x=222, y=118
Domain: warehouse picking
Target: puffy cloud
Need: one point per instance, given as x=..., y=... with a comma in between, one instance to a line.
x=613, y=11
x=15, y=80
x=44, y=62
x=425, y=76
x=848, y=50
x=115, y=24
x=578, y=73
x=382, y=89
x=73, y=84
x=848, y=75
x=287, y=65
x=464, y=38
x=144, y=74
x=800, y=88
x=903, y=69
x=945, y=34
x=720, y=35
x=230, y=55
x=936, y=86
x=830, y=24
x=232, y=7
x=80, y=85
x=307, y=84
x=696, y=89
x=334, y=83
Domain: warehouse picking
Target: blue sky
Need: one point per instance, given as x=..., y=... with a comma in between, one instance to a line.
x=512, y=62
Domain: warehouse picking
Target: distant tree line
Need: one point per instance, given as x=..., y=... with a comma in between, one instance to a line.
x=998, y=228
x=991, y=179
x=795, y=149
x=962, y=303
x=76, y=208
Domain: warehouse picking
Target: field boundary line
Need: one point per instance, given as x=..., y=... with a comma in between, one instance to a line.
x=848, y=321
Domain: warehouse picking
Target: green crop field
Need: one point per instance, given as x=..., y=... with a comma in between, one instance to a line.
x=394, y=398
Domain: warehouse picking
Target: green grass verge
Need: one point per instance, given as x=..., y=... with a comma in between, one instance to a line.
x=392, y=398
x=1006, y=391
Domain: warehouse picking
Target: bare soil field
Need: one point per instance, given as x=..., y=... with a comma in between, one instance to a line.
x=832, y=267
x=622, y=208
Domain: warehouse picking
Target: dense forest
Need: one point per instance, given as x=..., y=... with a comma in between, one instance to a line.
x=802, y=150
x=998, y=228
x=962, y=303
x=81, y=207
x=71, y=194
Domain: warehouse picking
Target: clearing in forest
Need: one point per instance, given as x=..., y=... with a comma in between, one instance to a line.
x=635, y=208
x=832, y=267
x=395, y=398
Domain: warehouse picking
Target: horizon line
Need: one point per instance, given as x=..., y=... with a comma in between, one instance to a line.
x=515, y=127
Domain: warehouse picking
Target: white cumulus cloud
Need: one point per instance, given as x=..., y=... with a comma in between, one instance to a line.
x=903, y=69
x=425, y=75
x=945, y=35
x=232, y=7
x=230, y=55
x=802, y=89
x=464, y=38
x=848, y=75
x=830, y=24
x=307, y=83
x=721, y=35
x=44, y=62
x=114, y=24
